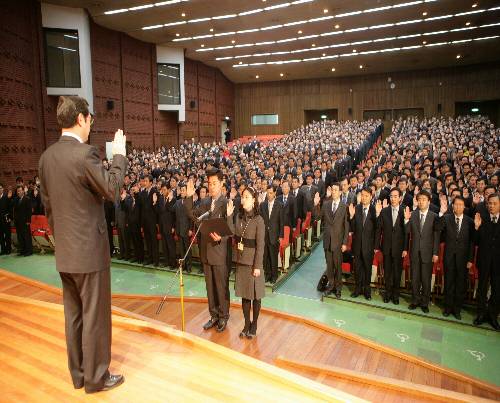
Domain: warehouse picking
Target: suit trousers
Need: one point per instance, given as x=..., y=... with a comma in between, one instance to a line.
x=185, y=241
x=393, y=267
x=271, y=261
x=24, y=239
x=334, y=270
x=421, y=276
x=362, y=274
x=136, y=237
x=5, y=237
x=217, y=283
x=169, y=251
x=123, y=242
x=151, y=243
x=455, y=277
x=87, y=315
x=488, y=273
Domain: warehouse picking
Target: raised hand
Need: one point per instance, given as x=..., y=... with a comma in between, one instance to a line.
x=358, y=198
x=378, y=207
x=119, y=143
x=232, y=194
x=477, y=220
x=123, y=194
x=216, y=237
x=443, y=200
x=317, y=199
x=385, y=203
x=190, y=188
x=155, y=198
x=329, y=191
x=476, y=199
x=352, y=210
x=230, y=208
x=170, y=194
x=407, y=213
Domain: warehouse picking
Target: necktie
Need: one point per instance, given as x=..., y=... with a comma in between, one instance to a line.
x=212, y=207
x=334, y=208
x=494, y=219
x=457, y=220
x=394, y=216
x=422, y=216
x=364, y=216
x=284, y=200
x=344, y=199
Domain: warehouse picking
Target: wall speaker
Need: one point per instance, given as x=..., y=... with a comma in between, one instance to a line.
x=349, y=111
x=439, y=108
x=110, y=104
x=192, y=104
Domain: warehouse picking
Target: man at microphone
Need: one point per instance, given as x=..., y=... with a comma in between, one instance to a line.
x=213, y=249
x=73, y=187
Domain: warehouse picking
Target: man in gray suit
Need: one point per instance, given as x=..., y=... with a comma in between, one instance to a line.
x=74, y=185
x=423, y=226
x=213, y=250
x=333, y=214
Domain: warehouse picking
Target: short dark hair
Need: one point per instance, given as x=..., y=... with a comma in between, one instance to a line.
x=399, y=192
x=493, y=195
x=424, y=193
x=458, y=198
x=335, y=184
x=215, y=172
x=68, y=109
x=367, y=190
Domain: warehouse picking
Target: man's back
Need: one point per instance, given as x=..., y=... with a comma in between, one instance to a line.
x=73, y=187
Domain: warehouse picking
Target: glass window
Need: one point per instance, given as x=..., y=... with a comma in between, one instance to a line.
x=267, y=119
x=169, y=88
x=62, y=67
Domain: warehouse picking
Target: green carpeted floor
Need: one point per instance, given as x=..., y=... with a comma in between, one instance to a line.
x=475, y=351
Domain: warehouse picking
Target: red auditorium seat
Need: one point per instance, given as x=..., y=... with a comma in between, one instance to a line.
x=284, y=251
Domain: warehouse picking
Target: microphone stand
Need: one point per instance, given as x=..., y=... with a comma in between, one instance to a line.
x=181, y=280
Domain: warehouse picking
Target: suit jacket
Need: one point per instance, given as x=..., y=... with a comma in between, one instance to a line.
x=407, y=200
x=22, y=211
x=211, y=252
x=308, y=195
x=74, y=185
x=487, y=238
x=132, y=207
x=336, y=226
x=289, y=210
x=5, y=208
x=254, y=229
x=330, y=177
x=149, y=212
x=274, y=224
x=351, y=198
x=363, y=240
x=321, y=187
x=300, y=208
x=392, y=239
x=426, y=241
x=182, y=220
x=461, y=244
x=166, y=214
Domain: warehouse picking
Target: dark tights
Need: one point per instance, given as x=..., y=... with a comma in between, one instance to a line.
x=246, y=304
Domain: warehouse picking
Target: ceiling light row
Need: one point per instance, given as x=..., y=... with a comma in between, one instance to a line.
x=144, y=6
x=292, y=23
x=338, y=45
x=368, y=52
x=225, y=16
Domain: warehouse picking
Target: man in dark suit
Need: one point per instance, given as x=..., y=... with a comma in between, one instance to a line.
x=166, y=218
x=5, y=218
x=121, y=226
x=458, y=232
x=422, y=225
x=347, y=196
x=333, y=213
x=183, y=226
x=213, y=249
x=381, y=192
x=109, y=214
x=308, y=191
x=363, y=224
x=76, y=218
x=271, y=211
x=488, y=258
x=393, y=239
x=132, y=206
x=319, y=183
x=149, y=217
x=299, y=198
x=289, y=206
x=22, y=221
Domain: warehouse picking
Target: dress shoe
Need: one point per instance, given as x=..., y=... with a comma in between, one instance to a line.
x=221, y=325
x=253, y=330
x=425, y=309
x=327, y=293
x=446, y=313
x=147, y=263
x=395, y=301
x=368, y=297
x=412, y=307
x=355, y=294
x=480, y=319
x=457, y=315
x=112, y=382
x=210, y=324
x=386, y=299
x=201, y=271
x=244, y=332
x=338, y=295
x=28, y=254
x=494, y=323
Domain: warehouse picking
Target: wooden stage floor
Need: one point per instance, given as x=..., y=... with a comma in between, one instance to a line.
x=330, y=356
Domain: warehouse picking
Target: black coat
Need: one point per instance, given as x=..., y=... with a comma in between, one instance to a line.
x=289, y=210
x=460, y=245
x=149, y=212
x=363, y=239
x=166, y=214
x=22, y=211
x=132, y=207
x=336, y=226
x=426, y=241
x=487, y=238
x=182, y=220
x=393, y=240
x=274, y=224
x=5, y=208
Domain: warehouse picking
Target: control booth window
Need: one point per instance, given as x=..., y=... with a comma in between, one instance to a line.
x=169, y=90
x=267, y=119
x=62, y=66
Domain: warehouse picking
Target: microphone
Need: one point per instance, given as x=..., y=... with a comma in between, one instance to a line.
x=204, y=215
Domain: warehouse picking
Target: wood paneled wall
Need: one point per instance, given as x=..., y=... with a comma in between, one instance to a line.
x=413, y=89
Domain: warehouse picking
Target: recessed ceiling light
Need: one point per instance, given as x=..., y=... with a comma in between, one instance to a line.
x=360, y=66
x=211, y=30
x=325, y=11
x=324, y=54
x=256, y=76
x=202, y=45
x=313, y=45
x=354, y=51
x=424, y=13
x=177, y=34
x=424, y=42
x=299, y=31
x=337, y=26
x=240, y=62
x=474, y=5
x=467, y=23
x=281, y=74
x=459, y=56
x=333, y=68
x=233, y=41
x=183, y=14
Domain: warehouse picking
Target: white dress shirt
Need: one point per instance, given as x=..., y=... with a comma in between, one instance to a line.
x=69, y=134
